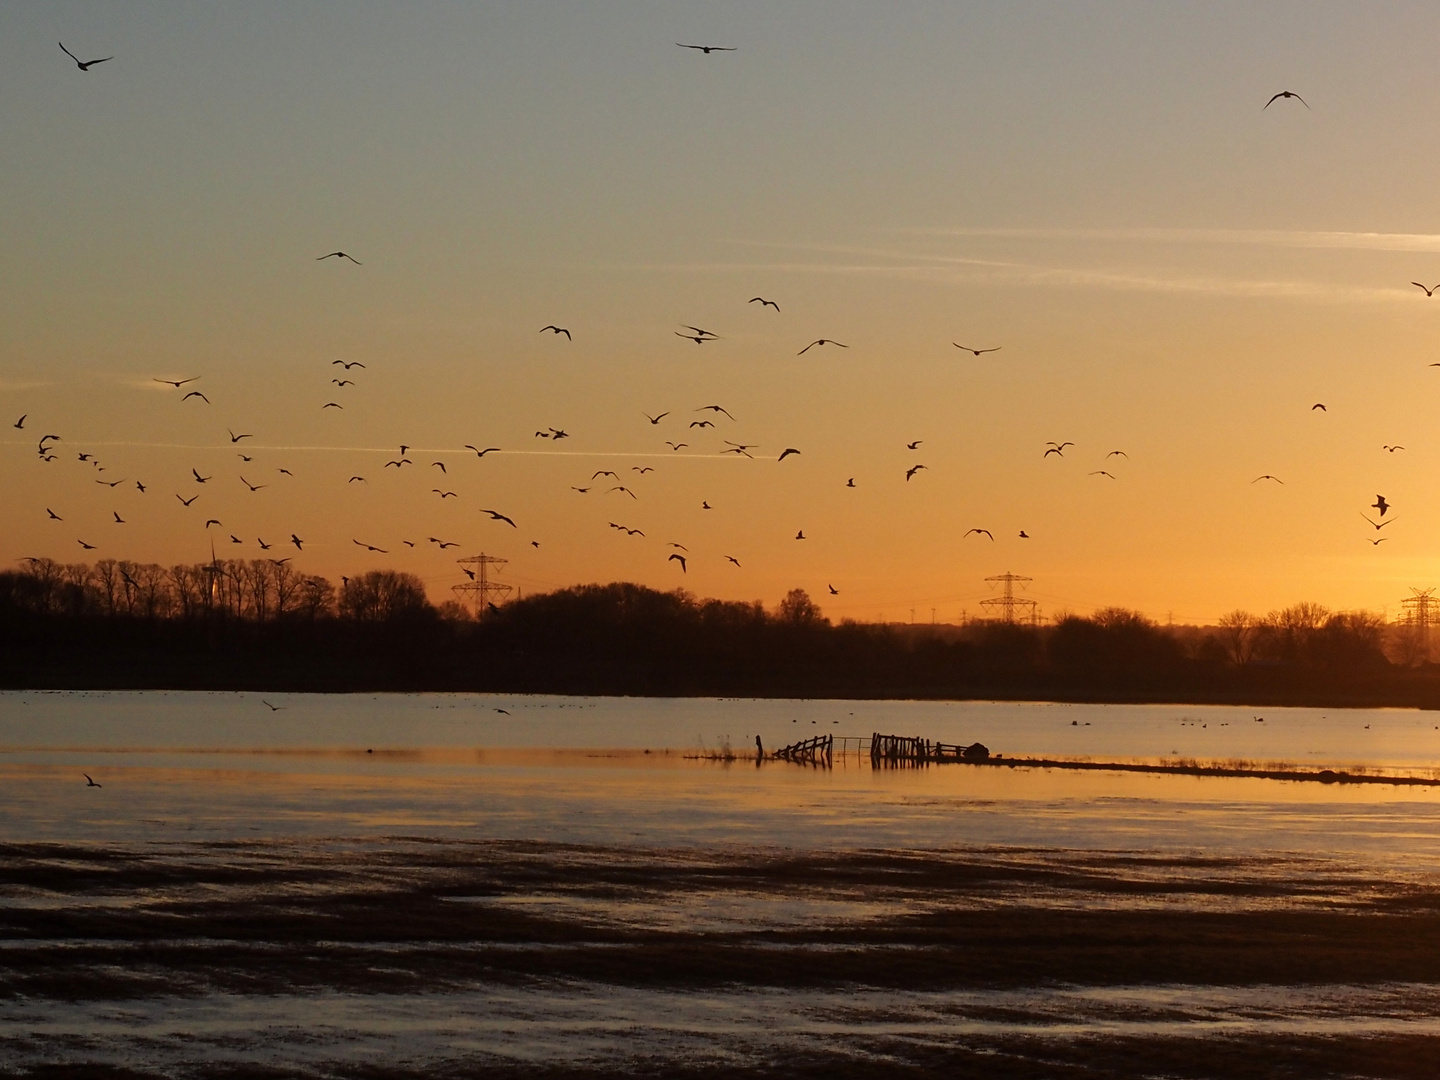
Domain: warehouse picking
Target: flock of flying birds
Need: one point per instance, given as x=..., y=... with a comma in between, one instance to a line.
x=48, y=448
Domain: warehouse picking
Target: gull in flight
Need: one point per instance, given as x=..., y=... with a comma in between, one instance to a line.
x=1380, y=504
x=339, y=255
x=706, y=49
x=771, y=303
x=1378, y=524
x=196, y=393
x=1428, y=292
x=986, y=532
x=912, y=471
x=495, y=515
x=1267, y=476
x=656, y=419
x=177, y=383
x=349, y=365
x=1285, y=94
x=675, y=556
x=557, y=330
x=977, y=352
x=482, y=453
x=83, y=65
x=820, y=341
x=786, y=453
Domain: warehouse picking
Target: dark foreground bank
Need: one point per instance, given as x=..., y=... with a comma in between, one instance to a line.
x=255, y=626
x=407, y=958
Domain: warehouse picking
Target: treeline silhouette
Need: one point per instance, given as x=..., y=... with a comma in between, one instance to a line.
x=263, y=625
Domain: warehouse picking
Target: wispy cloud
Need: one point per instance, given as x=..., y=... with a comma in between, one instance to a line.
x=1282, y=238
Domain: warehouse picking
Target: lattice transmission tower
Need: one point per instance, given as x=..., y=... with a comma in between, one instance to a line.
x=1422, y=610
x=480, y=588
x=1012, y=608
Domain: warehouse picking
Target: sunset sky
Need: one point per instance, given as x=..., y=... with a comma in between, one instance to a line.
x=1170, y=270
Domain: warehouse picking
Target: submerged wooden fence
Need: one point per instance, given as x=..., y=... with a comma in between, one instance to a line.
x=817, y=751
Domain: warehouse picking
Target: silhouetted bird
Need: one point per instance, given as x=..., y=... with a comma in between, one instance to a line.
x=236, y=438
x=1285, y=94
x=339, y=255
x=850, y=483
x=1102, y=472
x=977, y=352
x=731, y=558
x=706, y=49
x=677, y=557
x=701, y=423
x=800, y=535
x=88, y=781
x=1392, y=449
x=1380, y=504
x=1319, y=406
x=347, y=365
x=53, y=516
x=833, y=591
x=118, y=519
x=200, y=479
x=771, y=303
x=914, y=445
x=1024, y=535
x=985, y=532
x=188, y=501
x=913, y=470
x=716, y=409
x=1378, y=524
x=1267, y=476
x=676, y=446
x=83, y=65
x=1428, y=292
x=557, y=330
x=87, y=547
x=370, y=547
x=482, y=453
x=820, y=341
x=786, y=453
x=177, y=383
x=354, y=478
x=196, y=393
x=212, y=521
x=299, y=544
x=252, y=487
x=332, y=405
x=272, y=708
x=20, y=424
x=495, y=515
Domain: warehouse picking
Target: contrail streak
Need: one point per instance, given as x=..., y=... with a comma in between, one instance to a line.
x=391, y=450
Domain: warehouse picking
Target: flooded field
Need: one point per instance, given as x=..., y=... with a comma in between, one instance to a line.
x=423, y=885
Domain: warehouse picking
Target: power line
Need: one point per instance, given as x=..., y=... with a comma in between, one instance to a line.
x=1008, y=603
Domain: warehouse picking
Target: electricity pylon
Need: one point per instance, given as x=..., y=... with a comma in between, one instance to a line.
x=1008, y=602
x=484, y=591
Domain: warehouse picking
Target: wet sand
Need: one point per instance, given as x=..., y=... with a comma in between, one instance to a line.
x=400, y=957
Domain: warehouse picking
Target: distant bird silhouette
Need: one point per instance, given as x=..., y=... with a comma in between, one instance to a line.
x=188, y=501
x=914, y=445
x=786, y=453
x=977, y=352
x=677, y=557
x=698, y=339
x=279, y=562
x=343, y=382
x=495, y=515
x=1024, y=535
x=200, y=479
x=715, y=409
x=771, y=303
x=369, y=547
x=850, y=483
x=299, y=544
x=1380, y=504
x=263, y=545
x=656, y=419
x=1057, y=448
x=1319, y=406
x=177, y=383
x=1392, y=449
x=245, y=457
x=118, y=519
x=347, y=365
x=676, y=446
x=20, y=424
x=1102, y=472
x=196, y=393
x=445, y=494
x=441, y=466
x=701, y=423
x=621, y=487
x=235, y=539
x=354, y=478
x=642, y=469
x=800, y=535
x=731, y=558
x=833, y=591
x=557, y=330
x=53, y=516
x=1267, y=476
x=87, y=547
x=400, y=463
x=985, y=532
x=820, y=341
x=535, y=543
x=339, y=255
x=83, y=65
x=1381, y=540
x=698, y=330
x=443, y=543
x=1285, y=94
x=1428, y=292
x=213, y=521
x=1118, y=453
x=604, y=472
x=332, y=405
x=140, y=487
x=705, y=505
x=582, y=491
x=88, y=781
x=252, y=487
x=912, y=471
x=706, y=49
x=482, y=453
x=1378, y=524
x=285, y=472
x=272, y=708
x=110, y=483
x=236, y=438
